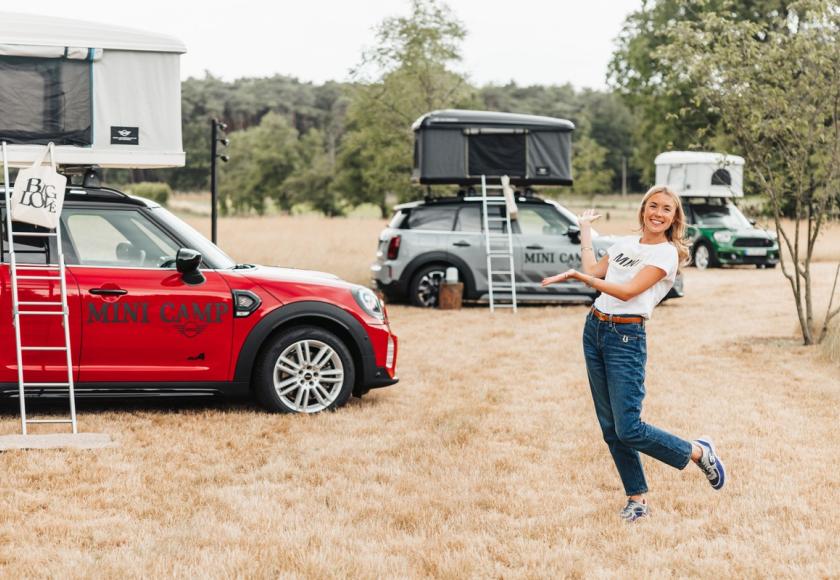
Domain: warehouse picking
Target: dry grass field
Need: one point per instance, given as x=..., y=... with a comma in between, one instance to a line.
x=485, y=461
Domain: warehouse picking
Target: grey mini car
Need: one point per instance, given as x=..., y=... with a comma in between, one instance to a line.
x=425, y=237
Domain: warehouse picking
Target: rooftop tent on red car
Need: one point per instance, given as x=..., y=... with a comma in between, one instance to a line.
x=459, y=146
x=105, y=95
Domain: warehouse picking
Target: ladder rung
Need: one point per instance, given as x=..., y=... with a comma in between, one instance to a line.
x=496, y=219
x=39, y=303
x=43, y=348
x=46, y=384
x=40, y=313
x=37, y=267
x=34, y=234
x=499, y=254
x=49, y=420
x=504, y=306
x=39, y=277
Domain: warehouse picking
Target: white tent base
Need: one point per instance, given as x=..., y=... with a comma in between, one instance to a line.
x=56, y=441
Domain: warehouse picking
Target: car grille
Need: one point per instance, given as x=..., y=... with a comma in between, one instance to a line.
x=752, y=243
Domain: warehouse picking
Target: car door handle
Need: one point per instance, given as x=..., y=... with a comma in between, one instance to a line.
x=461, y=244
x=534, y=247
x=108, y=291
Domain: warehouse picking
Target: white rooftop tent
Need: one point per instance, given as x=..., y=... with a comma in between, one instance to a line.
x=106, y=95
x=701, y=174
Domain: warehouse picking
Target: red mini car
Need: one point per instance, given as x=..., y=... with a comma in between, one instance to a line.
x=156, y=309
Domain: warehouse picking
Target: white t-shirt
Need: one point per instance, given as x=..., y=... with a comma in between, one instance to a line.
x=627, y=258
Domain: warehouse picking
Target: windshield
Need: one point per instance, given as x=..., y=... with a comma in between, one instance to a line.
x=725, y=216
x=212, y=255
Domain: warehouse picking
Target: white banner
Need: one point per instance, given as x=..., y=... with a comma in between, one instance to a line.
x=39, y=193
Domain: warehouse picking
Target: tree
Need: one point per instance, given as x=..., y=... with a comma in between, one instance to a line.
x=312, y=181
x=776, y=90
x=404, y=76
x=261, y=158
x=670, y=115
x=589, y=167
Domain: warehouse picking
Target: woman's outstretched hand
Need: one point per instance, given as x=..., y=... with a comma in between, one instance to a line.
x=567, y=275
x=588, y=216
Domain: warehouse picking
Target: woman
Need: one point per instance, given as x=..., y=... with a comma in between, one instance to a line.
x=636, y=273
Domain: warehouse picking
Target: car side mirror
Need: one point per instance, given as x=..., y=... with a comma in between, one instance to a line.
x=574, y=234
x=187, y=262
x=752, y=222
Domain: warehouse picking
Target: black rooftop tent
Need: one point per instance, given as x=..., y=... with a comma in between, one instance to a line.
x=458, y=147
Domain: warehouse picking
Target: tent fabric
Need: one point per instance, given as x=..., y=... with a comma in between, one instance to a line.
x=123, y=112
x=43, y=100
x=68, y=52
x=454, y=147
x=496, y=155
x=37, y=30
x=673, y=157
x=549, y=155
x=701, y=174
x=442, y=152
x=126, y=77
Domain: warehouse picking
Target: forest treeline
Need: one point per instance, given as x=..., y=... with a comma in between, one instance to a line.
x=335, y=145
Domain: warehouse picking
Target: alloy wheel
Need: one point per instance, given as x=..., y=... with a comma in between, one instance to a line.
x=701, y=257
x=428, y=287
x=308, y=376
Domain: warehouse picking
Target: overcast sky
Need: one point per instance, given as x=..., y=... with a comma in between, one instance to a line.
x=527, y=41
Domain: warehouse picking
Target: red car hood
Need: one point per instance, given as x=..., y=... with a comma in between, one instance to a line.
x=286, y=283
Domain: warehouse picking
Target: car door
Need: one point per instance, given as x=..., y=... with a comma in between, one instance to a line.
x=467, y=243
x=140, y=320
x=38, y=331
x=545, y=248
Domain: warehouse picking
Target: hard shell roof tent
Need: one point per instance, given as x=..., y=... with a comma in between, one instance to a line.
x=458, y=147
x=701, y=174
x=105, y=95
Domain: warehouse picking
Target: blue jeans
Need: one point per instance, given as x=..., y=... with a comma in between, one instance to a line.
x=615, y=362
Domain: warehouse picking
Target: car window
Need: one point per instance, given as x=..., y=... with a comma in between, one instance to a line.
x=541, y=220
x=727, y=216
x=118, y=238
x=432, y=218
x=28, y=249
x=469, y=218
x=397, y=220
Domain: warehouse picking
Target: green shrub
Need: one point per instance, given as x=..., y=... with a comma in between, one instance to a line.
x=156, y=191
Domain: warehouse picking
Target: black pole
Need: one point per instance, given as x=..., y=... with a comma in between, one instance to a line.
x=214, y=124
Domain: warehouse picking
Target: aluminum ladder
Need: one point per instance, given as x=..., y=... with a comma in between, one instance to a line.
x=48, y=273
x=499, y=248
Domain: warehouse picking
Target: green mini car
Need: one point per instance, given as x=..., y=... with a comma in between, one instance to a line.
x=721, y=235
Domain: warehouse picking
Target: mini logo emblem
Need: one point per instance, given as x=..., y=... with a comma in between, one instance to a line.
x=190, y=329
x=125, y=135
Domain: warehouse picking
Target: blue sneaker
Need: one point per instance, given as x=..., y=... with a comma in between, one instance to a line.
x=710, y=463
x=634, y=510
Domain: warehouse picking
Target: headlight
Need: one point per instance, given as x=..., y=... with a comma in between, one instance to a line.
x=369, y=302
x=723, y=237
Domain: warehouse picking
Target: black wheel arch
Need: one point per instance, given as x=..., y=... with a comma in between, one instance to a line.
x=310, y=313
x=439, y=258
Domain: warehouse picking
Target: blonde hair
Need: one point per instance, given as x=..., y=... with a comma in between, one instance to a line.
x=675, y=233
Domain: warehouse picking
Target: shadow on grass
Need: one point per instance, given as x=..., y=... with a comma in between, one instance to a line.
x=10, y=408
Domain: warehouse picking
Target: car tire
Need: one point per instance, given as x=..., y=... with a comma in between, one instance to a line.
x=306, y=369
x=425, y=285
x=703, y=256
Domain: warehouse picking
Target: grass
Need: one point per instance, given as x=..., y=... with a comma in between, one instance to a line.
x=484, y=461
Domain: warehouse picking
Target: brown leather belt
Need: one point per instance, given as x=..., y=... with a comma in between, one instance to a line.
x=616, y=318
